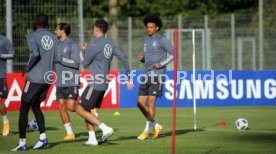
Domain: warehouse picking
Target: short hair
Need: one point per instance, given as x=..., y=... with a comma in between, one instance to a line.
x=102, y=25
x=66, y=27
x=153, y=19
x=41, y=20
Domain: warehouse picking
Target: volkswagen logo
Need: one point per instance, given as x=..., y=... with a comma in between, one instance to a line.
x=107, y=51
x=47, y=42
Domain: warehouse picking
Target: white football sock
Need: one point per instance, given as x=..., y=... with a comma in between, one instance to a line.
x=103, y=127
x=92, y=136
x=68, y=128
x=42, y=136
x=5, y=119
x=22, y=141
x=154, y=124
x=148, y=123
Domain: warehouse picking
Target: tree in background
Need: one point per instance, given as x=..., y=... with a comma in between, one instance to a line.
x=98, y=8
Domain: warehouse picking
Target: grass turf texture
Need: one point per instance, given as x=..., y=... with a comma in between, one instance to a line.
x=209, y=138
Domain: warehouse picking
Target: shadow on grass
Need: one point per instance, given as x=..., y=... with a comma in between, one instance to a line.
x=106, y=143
x=77, y=135
x=53, y=144
x=180, y=132
x=47, y=129
x=259, y=137
x=162, y=134
x=211, y=150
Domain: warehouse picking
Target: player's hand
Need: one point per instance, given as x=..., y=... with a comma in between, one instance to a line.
x=155, y=66
x=130, y=85
x=24, y=72
x=83, y=46
x=140, y=57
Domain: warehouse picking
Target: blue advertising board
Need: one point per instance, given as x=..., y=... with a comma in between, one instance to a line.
x=212, y=88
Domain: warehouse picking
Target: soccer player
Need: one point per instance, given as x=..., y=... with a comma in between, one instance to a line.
x=158, y=52
x=67, y=60
x=98, y=59
x=42, y=45
x=6, y=52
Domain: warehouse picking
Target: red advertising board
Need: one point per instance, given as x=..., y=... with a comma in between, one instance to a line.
x=16, y=83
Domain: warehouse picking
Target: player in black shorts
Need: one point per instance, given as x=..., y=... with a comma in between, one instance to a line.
x=6, y=52
x=42, y=46
x=158, y=52
x=67, y=61
x=98, y=59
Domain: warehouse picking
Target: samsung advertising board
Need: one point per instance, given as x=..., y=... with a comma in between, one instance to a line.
x=212, y=88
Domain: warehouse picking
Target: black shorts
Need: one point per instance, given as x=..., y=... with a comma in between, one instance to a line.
x=33, y=92
x=3, y=88
x=67, y=92
x=91, y=98
x=151, y=86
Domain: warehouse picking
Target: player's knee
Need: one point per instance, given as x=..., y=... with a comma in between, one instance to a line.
x=139, y=104
x=61, y=106
x=71, y=107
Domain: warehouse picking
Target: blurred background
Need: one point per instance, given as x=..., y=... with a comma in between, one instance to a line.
x=229, y=34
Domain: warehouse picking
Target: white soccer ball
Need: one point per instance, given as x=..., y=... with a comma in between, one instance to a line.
x=241, y=124
x=32, y=126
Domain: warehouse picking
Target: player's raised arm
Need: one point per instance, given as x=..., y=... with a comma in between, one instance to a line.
x=82, y=49
x=125, y=62
x=90, y=55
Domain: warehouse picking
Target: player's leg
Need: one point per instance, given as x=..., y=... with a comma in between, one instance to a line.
x=43, y=142
x=142, y=100
x=151, y=108
x=87, y=115
x=144, y=109
x=71, y=96
x=29, y=95
x=62, y=104
x=92, y=136
x=94, y=111
x=92, y=98
x=143, y=97
x=155, y=90
x=3, y=110
x=23, y=122
x=6, y=124
x=71, y=106
x=63, y=111
x=68, y=95
x=42, y=93
x=106, y=130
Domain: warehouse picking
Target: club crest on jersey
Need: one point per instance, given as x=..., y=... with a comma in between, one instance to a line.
x=145, y=47
x=65, y=50
x=107, y=50
x=154, y=44
x=47, y=42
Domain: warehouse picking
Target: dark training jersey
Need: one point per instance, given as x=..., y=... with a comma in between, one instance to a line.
x=67, y=61
x=42, y=45
x=6, y=52
x=157, y=49
x=98, y=58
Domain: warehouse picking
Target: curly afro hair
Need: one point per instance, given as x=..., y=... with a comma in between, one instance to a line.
x=153, y=19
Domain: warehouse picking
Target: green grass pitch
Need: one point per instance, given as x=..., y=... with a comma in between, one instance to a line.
x=210, y=138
